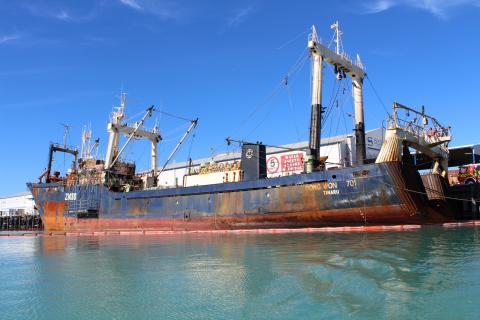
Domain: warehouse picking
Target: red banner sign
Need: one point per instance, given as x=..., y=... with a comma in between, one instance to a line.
x=292, y=162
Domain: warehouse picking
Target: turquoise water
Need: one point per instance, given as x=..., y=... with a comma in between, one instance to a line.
x=432, y=273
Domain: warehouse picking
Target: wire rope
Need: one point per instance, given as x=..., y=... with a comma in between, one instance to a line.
x=377, y=95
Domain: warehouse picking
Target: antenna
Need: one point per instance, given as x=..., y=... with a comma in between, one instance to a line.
x=86, y=136
x=66, y=129
x=338, y=49
x=338, y=40
x=123, y=99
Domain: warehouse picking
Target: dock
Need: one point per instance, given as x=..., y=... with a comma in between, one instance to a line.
x=21, y=223
x=466, y=199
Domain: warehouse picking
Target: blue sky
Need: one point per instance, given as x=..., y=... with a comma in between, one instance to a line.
x=224, y=62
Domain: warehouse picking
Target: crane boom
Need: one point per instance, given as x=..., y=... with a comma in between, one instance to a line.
x=192, y=125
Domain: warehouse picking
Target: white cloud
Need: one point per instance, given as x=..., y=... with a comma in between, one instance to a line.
x=9, y=38
x=60, y=12
x=62, y=15
x=164, y=9
x=132, y=4
x=439, y=8
x=240, y=16
x=378, y=6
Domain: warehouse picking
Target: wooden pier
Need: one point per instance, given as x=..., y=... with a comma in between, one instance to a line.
x=20, y=222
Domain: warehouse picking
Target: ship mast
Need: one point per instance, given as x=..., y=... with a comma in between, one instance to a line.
x=116, y=126
x=343, y=66
x=113, y=134
x=316, y=112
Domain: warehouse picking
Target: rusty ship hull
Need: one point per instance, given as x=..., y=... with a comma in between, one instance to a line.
x=374, y=194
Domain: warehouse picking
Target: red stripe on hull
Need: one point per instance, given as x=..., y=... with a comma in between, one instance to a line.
x=382, y=215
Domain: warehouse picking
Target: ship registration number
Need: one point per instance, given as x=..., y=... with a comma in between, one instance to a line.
x=70, y=196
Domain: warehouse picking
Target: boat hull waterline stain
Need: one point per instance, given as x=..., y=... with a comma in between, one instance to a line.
x=308, y=200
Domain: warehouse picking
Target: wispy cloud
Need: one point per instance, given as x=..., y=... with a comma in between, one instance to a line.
x=60, y=12
x=32, y=71
x=9, y=38
x=132, y=4
x=163, y=9
x=378, y=6
x=63, y=15
x=439, y=8
x=240, y=16
x=59, y=100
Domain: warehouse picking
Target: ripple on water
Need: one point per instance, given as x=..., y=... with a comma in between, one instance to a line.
x=427, y=273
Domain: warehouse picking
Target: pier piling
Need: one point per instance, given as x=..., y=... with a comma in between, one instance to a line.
x=20, y=222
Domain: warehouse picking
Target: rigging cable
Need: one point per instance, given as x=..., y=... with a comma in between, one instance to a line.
x=292, y=109
x=377, y=95
x=134, y=116
x=293, y=39
x=174, y=116
x=425, y=193
x=298, y=65
x=180, y=128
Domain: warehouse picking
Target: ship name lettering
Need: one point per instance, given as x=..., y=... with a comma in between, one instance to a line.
x=331, y=185
x=331, y=192
x=70, y=196
x=314, y=186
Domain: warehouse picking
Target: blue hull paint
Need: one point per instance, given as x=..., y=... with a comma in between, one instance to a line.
x=359, y=195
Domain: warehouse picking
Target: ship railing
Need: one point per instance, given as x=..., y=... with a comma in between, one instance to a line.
x=58, y=145
x=433, y=135
x=410, y=126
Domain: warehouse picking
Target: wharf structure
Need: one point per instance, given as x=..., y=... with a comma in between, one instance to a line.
x=18, y=212
x=17, y=204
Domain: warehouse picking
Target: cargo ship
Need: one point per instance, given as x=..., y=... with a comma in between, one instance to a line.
x=108, y=194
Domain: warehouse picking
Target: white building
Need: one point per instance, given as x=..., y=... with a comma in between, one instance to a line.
x=286, y=160
x=17, y=204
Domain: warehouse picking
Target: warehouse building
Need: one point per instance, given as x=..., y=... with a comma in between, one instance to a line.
x=281, y=161
x=17, y=204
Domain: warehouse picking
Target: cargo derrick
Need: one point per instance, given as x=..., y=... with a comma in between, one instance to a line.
x=69, y=178
x=343, y=66
x=118, y=175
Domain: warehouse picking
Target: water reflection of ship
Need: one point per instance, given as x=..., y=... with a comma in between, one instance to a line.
x=380, y=274
x=364, y=274
x=373, y=274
